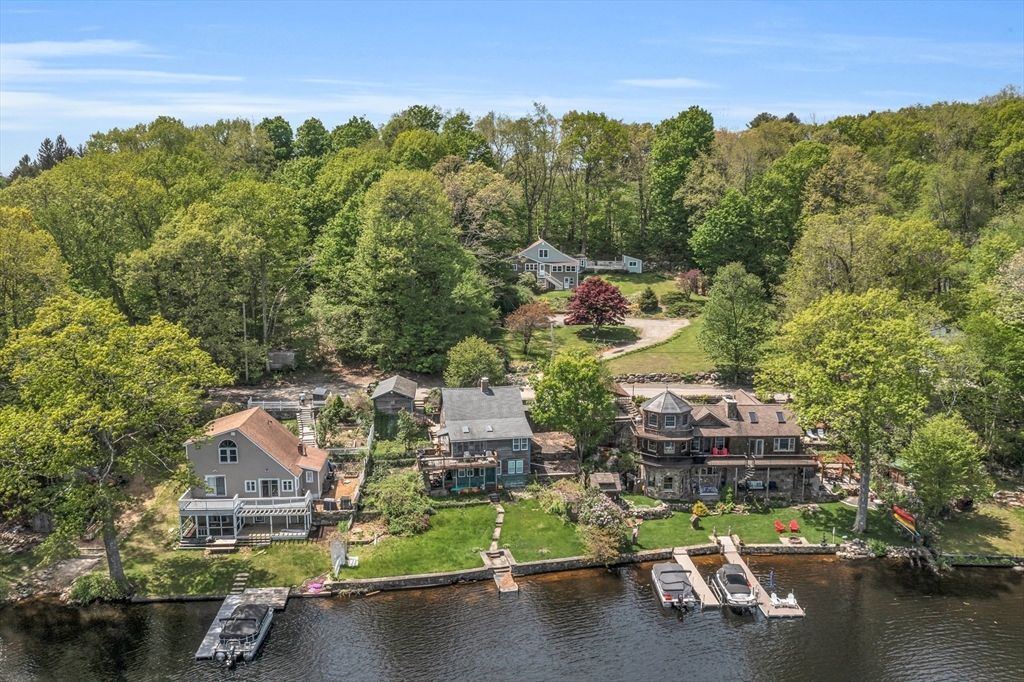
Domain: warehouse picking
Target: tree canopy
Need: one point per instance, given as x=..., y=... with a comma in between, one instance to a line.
x=574, y=396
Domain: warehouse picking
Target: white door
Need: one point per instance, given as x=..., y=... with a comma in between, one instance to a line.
x=542, y=270
x=269, y=487
x=567, y=282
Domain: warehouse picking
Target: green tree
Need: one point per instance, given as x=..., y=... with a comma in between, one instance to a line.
x=677, y=143
x=95, y=402
x=944, y=462
x=736, y=320
x=312, y=139
x=403, y=505
x=416, y=117
x=726, y=235
x=280, y=133
x=860, y=363
x=416, y=292
x=353, y=133
x=471, y=360
x=31, y=269
x=417, y=150
x=574, y=396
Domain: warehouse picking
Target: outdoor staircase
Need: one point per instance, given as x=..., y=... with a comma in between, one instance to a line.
x=629, y=406
x=307, y=428
x=749, y=471
x=240, y=580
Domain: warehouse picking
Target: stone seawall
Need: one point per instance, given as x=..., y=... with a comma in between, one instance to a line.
x=407, y=582
x=788, y=549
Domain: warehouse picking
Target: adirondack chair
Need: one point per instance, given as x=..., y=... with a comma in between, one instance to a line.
x=794, y=527
x=779, y=526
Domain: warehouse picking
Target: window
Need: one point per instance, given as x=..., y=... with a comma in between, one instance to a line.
x=556, y=268
x=632, y=263
x=719, y=442
x=570, y=268
x=477, y=471
x=707, y=471
x=515, y=266
x=785, y=444
x=228, y=452
x=531, y=267
x=652, y=419
x=757, y=447
x=682, y=446
x=670, y=421
x=218, y=485
x=670, y=447
x=542, y=253
x=287, y=485
x=515, y=466
x=250, y=486
x=753, y=417
x=781, y=417
x=666, y=483
x=652, y=446
x=309, y=476
x=462, y=473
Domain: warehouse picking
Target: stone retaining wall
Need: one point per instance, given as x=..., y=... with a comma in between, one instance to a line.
x=662, y=511
x=578, y=562
x=407, y=582
x=788, y=549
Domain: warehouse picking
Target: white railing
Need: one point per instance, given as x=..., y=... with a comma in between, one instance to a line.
x=277, y=502
x=274, y=405
x=188, y=503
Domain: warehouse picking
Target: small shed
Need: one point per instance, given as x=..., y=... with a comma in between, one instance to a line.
x=607, y=482
x=395, y=394
x=320, y=395
x=631, y=264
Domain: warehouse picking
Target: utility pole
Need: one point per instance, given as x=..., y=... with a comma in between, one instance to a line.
x=245, y=343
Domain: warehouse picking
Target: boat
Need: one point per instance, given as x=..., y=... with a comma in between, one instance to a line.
x=673, y=585
x=730, y=581
x=243, y=632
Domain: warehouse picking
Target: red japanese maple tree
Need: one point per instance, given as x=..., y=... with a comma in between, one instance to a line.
x=597, y=303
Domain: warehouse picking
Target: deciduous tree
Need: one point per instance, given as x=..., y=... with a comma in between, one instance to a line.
x=471, y=360
x=526, y=319
x=31, y=269
x=574, y=396
x=736, y=320
x=597, y=303
x=944, y=462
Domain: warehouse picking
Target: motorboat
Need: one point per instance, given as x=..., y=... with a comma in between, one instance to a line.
x=243, y=632
x=673, y=585
x=730, y=581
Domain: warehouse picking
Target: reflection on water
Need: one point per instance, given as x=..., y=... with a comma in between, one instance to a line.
x=866, y=621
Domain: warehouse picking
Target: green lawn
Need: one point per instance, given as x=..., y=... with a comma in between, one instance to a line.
x=566, y=338
x=454, y=542
x=760, y=528
x=10, y=568
x=532, y=534
x=627, y=283
x=641, y=500
x=991, y=529
x=680, y=355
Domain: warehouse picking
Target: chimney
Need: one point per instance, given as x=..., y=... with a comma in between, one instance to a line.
x=485, y=384
x=732, y=407
x=302, y=450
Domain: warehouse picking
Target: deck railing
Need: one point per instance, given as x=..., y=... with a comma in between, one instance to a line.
x=188, y=503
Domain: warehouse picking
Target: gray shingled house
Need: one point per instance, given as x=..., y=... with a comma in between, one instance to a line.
x=483, y=442
x=394, y=394
x=553, y=269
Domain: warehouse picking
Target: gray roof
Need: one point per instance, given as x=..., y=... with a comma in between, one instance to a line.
x=396, y=384
x=471, y=414
x=666, y=403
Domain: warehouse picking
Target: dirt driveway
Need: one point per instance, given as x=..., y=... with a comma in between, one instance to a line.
x=651, y=332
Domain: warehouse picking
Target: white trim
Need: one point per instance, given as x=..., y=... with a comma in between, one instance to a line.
x=309, y=476
x=251, y=487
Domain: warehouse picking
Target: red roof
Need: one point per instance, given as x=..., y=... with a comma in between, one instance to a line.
x=272, y=437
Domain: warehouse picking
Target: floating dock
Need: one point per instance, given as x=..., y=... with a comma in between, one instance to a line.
x=276, y=597
x=709, y=600
x=764, y=602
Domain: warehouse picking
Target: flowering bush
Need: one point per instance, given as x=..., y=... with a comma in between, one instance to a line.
x=700, y=509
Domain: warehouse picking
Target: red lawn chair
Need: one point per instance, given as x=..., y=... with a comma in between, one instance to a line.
x=779, y=527
x=794, y=527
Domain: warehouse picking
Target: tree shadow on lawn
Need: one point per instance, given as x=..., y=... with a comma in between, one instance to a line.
x=192, y=573
x=970, y=533
x=608, y=335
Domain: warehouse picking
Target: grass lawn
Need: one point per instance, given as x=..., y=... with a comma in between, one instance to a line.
x=533, y=534
x=679, y=356
x=10, y=568
x=760, y=528
x=640, y=500
x=156, y=567
x=454, y=542
x=566, y=338
x=991, y=529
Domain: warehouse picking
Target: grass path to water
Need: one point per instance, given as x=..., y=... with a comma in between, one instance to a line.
x=531, y=534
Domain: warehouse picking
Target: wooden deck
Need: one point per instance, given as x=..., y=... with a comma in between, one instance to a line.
x=707, y=596
x=277, y=597
x=764, y=602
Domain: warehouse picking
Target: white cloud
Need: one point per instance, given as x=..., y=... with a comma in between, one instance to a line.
x=50, y=49
x=667, y=83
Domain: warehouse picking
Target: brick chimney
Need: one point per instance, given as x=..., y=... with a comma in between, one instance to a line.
x=732, y=407
x=485, y=384
x=302, y=450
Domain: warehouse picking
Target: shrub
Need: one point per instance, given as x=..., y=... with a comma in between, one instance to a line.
x=684, y=309
x=528, y=280
x=648, y=301
x=472, y=359
x=877, y=547
x=403, y=505
x=96, y=586
x=602, y=544
x=671, y=297
x=700, y=509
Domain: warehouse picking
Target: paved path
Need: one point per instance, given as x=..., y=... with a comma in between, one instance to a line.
x=651, y=332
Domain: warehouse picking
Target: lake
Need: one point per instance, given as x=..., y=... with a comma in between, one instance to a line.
x=871, y=620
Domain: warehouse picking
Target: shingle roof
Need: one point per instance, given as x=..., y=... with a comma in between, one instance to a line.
x=272, y=436
x=396, y=384
x=767, y=423
x=468, y=412
x=666, y=403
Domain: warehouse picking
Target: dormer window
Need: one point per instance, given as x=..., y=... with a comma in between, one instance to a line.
x=227, y=452
x=652, y=419
x=670, y=421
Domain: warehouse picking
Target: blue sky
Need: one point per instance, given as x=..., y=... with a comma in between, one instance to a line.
x=76, y=68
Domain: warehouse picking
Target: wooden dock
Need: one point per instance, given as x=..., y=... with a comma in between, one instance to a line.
x=764, y=602
x=277, y=597
x=709, y=600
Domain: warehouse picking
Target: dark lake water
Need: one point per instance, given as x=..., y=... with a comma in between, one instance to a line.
x=865, y=621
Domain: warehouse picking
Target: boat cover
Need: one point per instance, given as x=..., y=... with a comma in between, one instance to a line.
x=673, y=579
x=733, y=579
x=244, y=621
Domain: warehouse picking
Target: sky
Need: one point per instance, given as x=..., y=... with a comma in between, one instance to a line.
x=82, y=67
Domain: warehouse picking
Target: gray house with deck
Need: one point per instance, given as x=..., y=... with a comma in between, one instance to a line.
x=553, y=269
x=260, y=481
x=483, y=442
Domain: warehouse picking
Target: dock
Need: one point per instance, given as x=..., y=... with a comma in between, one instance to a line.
x=764, y=602
x=276, y=597
x=708, y=599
